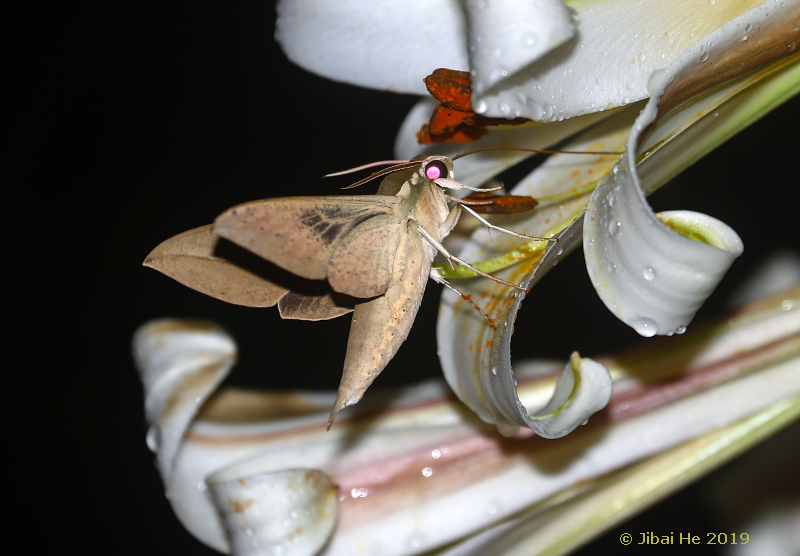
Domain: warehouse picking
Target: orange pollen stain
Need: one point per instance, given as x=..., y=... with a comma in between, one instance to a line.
x=454, y=121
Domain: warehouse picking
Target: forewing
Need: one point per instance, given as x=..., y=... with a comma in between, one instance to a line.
x=299, y=234
x=191, y=259
x=363, y=262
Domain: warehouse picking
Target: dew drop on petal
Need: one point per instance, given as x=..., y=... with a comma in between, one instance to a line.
x=704, y=57
x=680, y=330
x=791, y=46
x=645, y=327
x=613, y=228
x=153, y=439
x=748, y=28
x=649, y=274
x=427, y=472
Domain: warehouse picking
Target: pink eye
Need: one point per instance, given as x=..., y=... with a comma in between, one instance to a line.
x=435, y=169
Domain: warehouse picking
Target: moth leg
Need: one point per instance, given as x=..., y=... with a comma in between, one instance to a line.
x=439, y=247
x=451, y=221
x=499, y=229
x=436, y=277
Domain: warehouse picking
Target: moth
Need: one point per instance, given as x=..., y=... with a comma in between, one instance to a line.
x=369, y=254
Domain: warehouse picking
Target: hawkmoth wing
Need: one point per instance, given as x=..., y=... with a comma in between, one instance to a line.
x=381, y=325
x=201, y=260
x=327, y=305
x=190, y=259
x=299, y=234
x=363, y=262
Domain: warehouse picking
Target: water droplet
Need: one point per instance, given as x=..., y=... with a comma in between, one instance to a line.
x=416, y=541
x=613, y=228
x=153, y=438
x=791, y=46
x=611, y=269
x=612, y=199
x=680, y=330
x=481, y=108
x=436, y=454
x=787, y=304
x=530, y=39
x=504, y=107
x=491, y=509
x=645, y=327
x=748, y=27
x=649, y=274
x=201, y=485
x=704, y=57
x=615, y=170
x=642, y=57
x=427, y=472
x=494, y=371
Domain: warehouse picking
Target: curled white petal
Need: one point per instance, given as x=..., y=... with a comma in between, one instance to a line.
x=383, y=44
x=583, y=389
x=651, y=277
x=180, y=364
x=290, y=512
x=505, y=36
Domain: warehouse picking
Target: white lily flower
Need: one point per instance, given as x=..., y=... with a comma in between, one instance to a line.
x=652, y=276
x=423, y=474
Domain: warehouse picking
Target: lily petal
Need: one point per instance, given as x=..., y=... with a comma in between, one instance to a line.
x=383, y=44
x=617, y=46
x=649, y=275
x=614, y=497
x=505, y=36
x=291, y=512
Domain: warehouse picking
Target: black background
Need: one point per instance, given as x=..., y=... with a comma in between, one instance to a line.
x=134, y=122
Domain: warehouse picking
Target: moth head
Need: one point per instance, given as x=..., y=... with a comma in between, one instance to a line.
x=439, y=170
x=437, y=167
